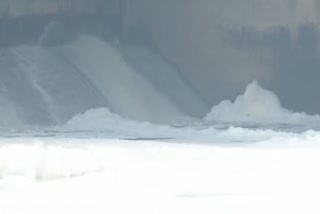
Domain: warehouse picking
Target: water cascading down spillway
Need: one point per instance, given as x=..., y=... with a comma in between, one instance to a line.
x=68, y=67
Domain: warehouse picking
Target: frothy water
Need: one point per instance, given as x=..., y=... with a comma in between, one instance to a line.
x=258, y=105
x=75, y=103
x=92, y=141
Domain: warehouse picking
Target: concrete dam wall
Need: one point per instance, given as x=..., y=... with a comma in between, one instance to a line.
x=221, y=46
x=14, y=8
x=213, y=48
x=54, y=66
x=23, y=21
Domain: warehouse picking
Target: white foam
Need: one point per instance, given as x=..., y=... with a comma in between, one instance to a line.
x=64, y=156
x=35, y=160
x=103, y=121
x=257, y=105
x=50, y=158
x=157, y=177
x=100, y=119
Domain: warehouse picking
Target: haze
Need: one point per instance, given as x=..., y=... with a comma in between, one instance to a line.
x=217, y=46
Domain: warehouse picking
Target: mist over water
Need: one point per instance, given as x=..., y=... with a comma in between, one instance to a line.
x=219, y=48
x=47, y=85
x=222, y=46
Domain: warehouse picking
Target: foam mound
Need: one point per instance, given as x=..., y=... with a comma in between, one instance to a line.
x=100, y=119
x=256, y=105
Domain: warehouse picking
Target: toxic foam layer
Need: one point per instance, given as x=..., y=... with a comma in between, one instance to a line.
x=123, y=144
x=159, y=177
x=38, y=161
x=59, y=157
x=257, y=105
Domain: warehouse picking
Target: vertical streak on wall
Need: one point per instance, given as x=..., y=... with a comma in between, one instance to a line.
x=125, y=17
x=4, y=8
x=120, y=16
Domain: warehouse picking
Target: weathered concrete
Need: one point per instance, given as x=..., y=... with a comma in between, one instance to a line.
x=14, y=8
x=223, y=45
x=219, y=45
x=24, y=21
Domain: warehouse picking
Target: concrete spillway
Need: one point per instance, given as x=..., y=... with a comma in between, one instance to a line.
x=169, y=47
x=48, y=85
